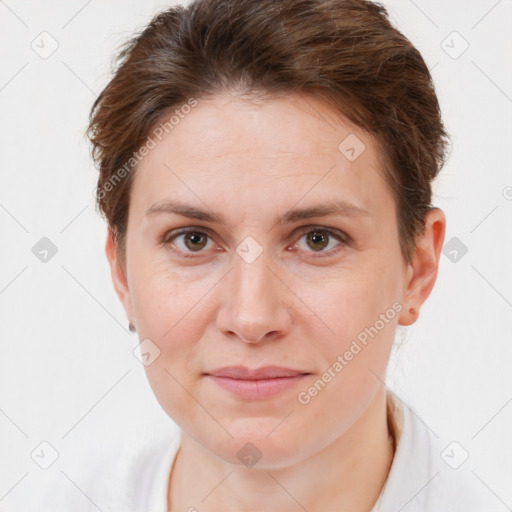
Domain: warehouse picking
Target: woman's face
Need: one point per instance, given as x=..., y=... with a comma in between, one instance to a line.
x=319, y=293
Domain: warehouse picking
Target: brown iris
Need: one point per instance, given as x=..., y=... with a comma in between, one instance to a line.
x=195, y=237
x=316, y=237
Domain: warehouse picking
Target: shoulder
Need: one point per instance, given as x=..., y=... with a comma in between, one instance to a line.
x=130, y=476
x=429, y=473
x=147, y=474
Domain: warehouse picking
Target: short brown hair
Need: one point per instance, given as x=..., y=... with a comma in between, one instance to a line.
x=345, y=52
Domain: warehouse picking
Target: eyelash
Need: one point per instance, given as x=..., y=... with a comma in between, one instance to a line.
x=343, y=238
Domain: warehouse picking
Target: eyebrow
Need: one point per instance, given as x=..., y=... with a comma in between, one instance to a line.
x=338, y=207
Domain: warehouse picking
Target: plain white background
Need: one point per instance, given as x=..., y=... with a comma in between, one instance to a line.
x=68, y=375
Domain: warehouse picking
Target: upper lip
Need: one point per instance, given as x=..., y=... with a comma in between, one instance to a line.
x=264, y=372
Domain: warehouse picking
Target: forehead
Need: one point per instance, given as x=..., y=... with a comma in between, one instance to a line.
x=282, y=150
x=296, y=125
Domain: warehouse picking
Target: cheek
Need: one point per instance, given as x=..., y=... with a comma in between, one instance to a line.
x=354, y=350
x=352, y=300
x=170, y=314
x=170, y=311
x=163, y=296
x=357, y=314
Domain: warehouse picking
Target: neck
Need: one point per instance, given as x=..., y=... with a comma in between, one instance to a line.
x=348, y=475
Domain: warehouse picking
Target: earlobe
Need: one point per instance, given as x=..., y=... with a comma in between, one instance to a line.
x=118, y=274
x=421, y=273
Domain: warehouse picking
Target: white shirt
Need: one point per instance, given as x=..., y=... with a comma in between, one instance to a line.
x=419, y=479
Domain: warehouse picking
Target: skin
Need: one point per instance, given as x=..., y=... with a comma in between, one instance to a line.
x=300, y=304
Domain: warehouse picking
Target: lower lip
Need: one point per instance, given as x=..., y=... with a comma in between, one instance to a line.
x=257, y=389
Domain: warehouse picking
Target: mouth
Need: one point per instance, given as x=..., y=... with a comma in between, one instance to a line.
x=256, y=384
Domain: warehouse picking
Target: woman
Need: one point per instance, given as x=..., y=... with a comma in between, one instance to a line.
x=265, y=172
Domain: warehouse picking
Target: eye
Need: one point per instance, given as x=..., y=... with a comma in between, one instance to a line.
x=193, y=240
x=319, y=238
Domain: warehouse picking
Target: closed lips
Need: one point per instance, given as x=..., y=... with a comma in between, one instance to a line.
x=265, y=372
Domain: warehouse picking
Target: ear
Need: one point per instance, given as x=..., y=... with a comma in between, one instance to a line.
x=118, y=273
x=421, y=273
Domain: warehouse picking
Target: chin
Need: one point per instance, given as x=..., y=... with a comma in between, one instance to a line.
x=254, y=448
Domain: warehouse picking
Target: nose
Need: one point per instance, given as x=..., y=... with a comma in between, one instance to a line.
x=256, y=302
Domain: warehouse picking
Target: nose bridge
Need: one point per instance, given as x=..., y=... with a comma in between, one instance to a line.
x=254, y=304
x=252, y=284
